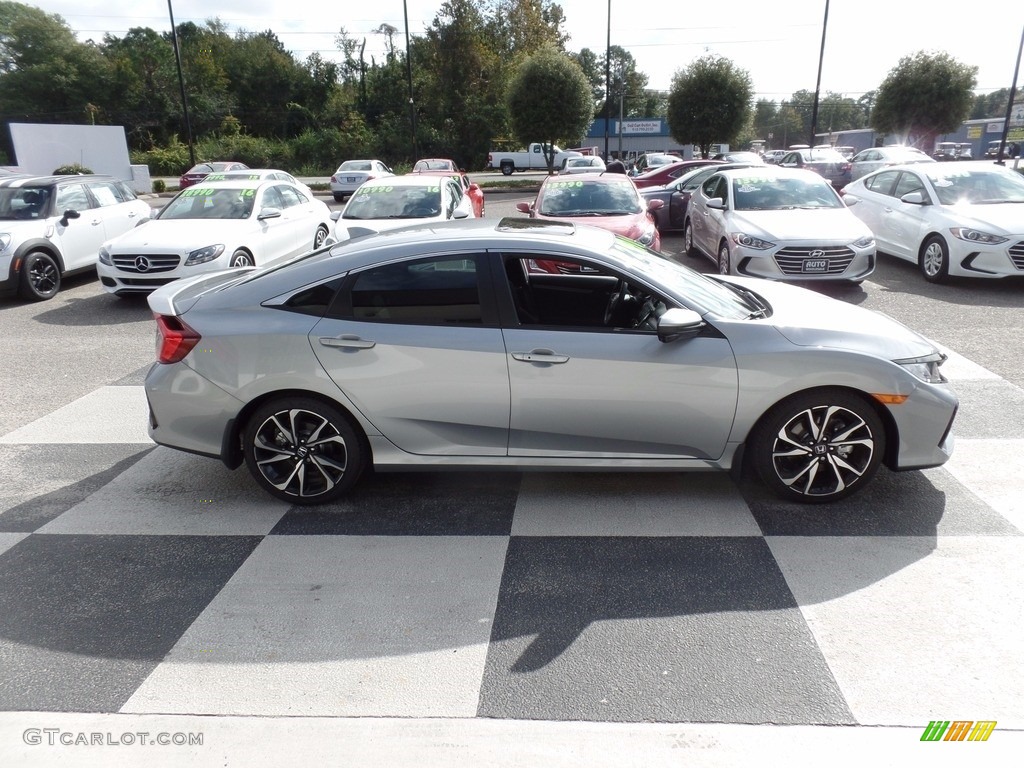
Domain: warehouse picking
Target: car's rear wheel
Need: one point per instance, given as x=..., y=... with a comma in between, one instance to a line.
x=303, y=450
x=724, y=261
x=319, y=237
x=934, y=260
x=338, y=198
x=241, y=258
x=507, y=169
x=40, y=277
x=688, y=247
x=818, y=446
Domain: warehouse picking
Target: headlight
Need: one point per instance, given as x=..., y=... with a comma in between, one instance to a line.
x=203, y=255
x=865, y=242
x=5, y=240
x=105, y=257
x=749, y=241
x=647, y=236
x=925, y=368
x=977, y=236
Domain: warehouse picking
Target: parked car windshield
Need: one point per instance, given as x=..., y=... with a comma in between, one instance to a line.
x=705, y=292
x=394, y=202
x=760, y=193
x=590, y=198
x=210, y=203
x=961, y=185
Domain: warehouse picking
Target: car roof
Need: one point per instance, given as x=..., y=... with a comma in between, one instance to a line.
x=418, y=179
x=600, y=177
x=50, y=179
x=770, y=171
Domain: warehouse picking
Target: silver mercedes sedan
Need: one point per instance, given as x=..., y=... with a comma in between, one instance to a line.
x=524, y=345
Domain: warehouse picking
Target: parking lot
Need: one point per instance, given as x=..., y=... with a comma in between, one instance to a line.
x=488, y=618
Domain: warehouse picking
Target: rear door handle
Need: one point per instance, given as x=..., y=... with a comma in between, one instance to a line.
x=347, y=341
x=540, y=356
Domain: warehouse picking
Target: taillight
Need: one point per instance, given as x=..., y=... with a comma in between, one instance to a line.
x=334, y=179
x=176, y=339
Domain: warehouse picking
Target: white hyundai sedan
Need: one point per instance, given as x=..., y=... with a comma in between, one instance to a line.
x=212, y=226
x=398, y=201
x=961, y=219
x=777, y=223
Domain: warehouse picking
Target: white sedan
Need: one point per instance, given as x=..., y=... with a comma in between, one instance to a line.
x=212, y=226
x=590, y=164
x=875, y=158
x=778, y=223
x=961, y=219
x=397, y=201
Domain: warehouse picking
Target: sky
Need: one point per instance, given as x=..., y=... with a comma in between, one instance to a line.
x=865, y=39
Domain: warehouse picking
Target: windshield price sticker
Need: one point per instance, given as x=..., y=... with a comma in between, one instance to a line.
x=367, y=191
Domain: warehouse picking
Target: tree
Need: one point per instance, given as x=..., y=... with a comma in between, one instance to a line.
x=549, y=100
x=925, y=95
x=709, y=102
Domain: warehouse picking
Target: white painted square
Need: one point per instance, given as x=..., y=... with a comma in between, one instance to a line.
x=105, y=415
x=994, y=471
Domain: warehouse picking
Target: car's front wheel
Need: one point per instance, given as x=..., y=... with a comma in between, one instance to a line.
x=818, y=446
x=319, y=237
x=934, y=260
x=724, y=261
x=241, y=258
x=303, y=450
x=40, y=277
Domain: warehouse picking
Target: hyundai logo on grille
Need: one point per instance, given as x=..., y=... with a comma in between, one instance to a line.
x=142, y=263
x=817, y=253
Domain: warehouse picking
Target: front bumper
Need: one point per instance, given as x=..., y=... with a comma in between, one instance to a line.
x=807, y=264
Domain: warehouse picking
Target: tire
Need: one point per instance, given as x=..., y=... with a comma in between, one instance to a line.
x=724, y=265
x=799, y=466
x=319, y=237
x=934, y=260
x=688, y=247
x=507, y=169
x=338, y=198
x=241, y=258
x=40, y=277
x=303, y=450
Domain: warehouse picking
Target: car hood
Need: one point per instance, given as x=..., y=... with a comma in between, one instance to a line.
x=178, y=235
x=796, y=225
x=631, y=226
x=34, y=227
x=345, y=229
x=1008, y=217
x=810, y=319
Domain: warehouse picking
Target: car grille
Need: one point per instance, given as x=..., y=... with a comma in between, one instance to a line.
x=146, y=283
x=155, y=262
x=791, y=260
x=1017, y=254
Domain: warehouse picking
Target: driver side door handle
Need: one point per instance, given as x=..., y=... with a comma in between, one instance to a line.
x=540, y=356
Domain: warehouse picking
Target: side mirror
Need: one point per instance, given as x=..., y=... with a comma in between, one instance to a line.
x=460, y=213
x=717, y=203
x=655, y=205
x=913, y=198
x=335, y=215
x=70, y=213
x=523, y=207
x=679, y=324
x=269, y=213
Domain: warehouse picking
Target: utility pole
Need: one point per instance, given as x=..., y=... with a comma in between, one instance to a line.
x=181, y=84
x=607, y=81
x=817, y=87
x=408, y=72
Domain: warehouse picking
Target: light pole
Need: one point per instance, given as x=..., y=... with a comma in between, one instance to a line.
x=408, y=72
x=817, y=87
x=607, y=80
x=181, y=84
x=1009, y=106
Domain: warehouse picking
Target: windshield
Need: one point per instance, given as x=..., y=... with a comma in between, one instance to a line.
x=590, y=198
x=210, y=203
x=703, y=292
x=24, y=202
x=956, y=185
x=394, y=202
x=766, y=193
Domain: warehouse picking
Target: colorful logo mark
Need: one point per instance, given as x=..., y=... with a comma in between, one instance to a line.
x=958, y=730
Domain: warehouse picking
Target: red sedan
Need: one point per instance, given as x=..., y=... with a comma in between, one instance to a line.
x=666, y=174
x=470, y=188
x=606, y=200
x=200, y=171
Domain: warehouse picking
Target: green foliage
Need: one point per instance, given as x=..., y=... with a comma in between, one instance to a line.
x=709, y=102
x=549, y=100
x=71, y=169
x=926, y=94
x=159, y=185
x=171, y=160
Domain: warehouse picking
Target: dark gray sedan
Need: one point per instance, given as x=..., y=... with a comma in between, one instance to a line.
x=676, y=196
x=443, y=346
x=824, y=161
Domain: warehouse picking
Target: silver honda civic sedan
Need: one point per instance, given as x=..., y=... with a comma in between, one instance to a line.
x=526, y=345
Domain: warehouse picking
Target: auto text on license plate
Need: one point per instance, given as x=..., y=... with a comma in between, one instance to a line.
x=815, y=265
x=352, y=179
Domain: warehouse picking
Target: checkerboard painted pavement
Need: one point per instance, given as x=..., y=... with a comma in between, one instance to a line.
x=137, y=579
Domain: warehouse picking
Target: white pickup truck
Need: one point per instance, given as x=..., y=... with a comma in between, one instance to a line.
x=531, y=159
